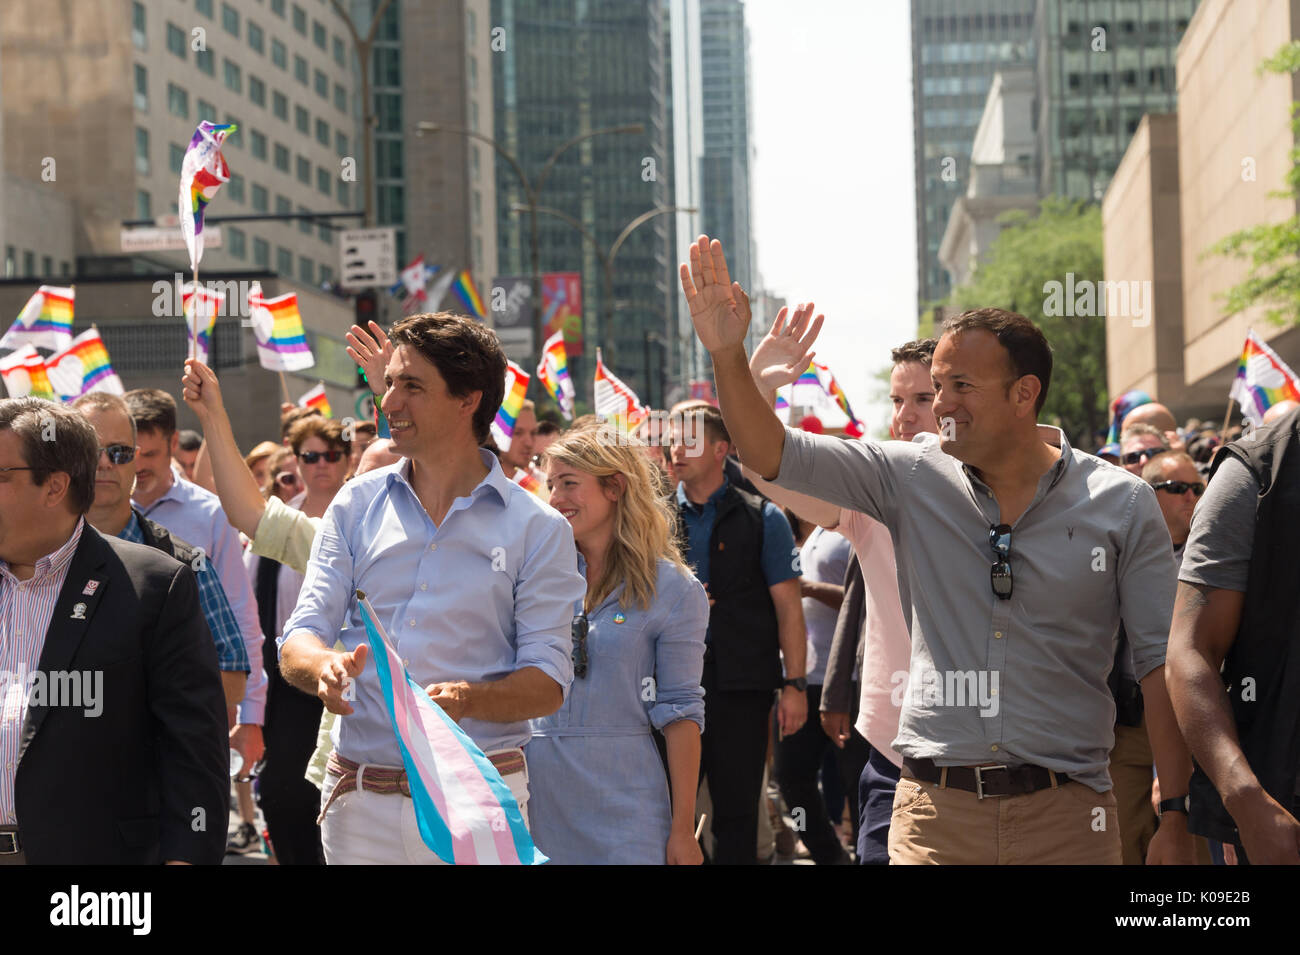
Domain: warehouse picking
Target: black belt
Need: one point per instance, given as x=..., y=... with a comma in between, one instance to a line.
x=992, y=780
x=9, y=844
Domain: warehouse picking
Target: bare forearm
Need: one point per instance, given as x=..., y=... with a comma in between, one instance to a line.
x=241, y=498
x=301, y=659
x=811, y=509
x=794, y=641
x=1172, y=758
x=683, y=740
x=203, y=469
x=232, y=684
x=832, y=595
x=755, y=430
x=523, y=695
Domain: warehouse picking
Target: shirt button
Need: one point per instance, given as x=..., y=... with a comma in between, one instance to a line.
x=997, y=634
x=433, y=547
x=406, y=663
x=994, y=747
x=411, y=623
x=424, y=586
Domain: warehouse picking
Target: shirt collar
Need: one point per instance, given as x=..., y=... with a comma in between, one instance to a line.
x=1050, y=435
x=132, y=531
x=54, y=562
x=713, y=500
x=495, y=478
x=174, y=493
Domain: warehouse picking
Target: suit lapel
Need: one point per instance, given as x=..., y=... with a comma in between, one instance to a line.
x=72, y=615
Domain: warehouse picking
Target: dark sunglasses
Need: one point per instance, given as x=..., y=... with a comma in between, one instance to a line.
x=578, y=630
x=119, y=453
x=311, y=457
x=1179, y=487
x=286, y=479
x=1146, y=454
x=1000, y=572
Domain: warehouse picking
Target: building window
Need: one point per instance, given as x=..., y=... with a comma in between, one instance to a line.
x=322, y=132
x=340, y=98
x=235, y=188
x=322, y=83
x=388, y=66
x=261, y=199
x=473, y=115
x=280, y=105
x=262, y=253
x=304, y=170
x=143, y=205
x=236, y=242
x=234, y=78
x=318, y=34
x=344, y=193
x=142, y=151
x=29, y=262
x=11, y=261
x=281, y=157
x=206, y=111
x=340, y=52
x=306, y=270
x=230, y=19
x=388, y=112
x=471, y=27
x=300, y=19
x=175, y=157
x=204, y=7
x=47, y=265
x=139, y=27
x=277, y=7
x=283, y=207
x=388, y=161
x=474, y=161
x=279, y=55
x=323, y=180
x=256, y=39
x=283, y=261
x=326, y=275
x=325, y=234
x=178, y=101
x=176, y=40
x=65, y=267
x=302, y=119
x=205, y=61
x=257, y=143
x=478, y=208
x=473, y=73
x=256, y=91
x=305, y=224
x=340, y=143
x=141, y=88
x=300, y=69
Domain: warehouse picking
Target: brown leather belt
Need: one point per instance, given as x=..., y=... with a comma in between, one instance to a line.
x=991, y=780
x=380, y=779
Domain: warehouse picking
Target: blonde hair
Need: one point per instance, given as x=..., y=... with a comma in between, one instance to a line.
x=645, y=524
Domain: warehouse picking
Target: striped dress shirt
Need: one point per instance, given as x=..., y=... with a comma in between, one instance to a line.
x=26, y=607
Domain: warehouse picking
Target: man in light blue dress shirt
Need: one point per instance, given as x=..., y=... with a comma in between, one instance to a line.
x=474, y=579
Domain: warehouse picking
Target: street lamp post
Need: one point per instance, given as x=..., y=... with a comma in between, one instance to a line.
x=531, y=191
x=368, y=121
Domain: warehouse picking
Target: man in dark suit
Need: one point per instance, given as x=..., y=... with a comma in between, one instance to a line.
x=113, y=741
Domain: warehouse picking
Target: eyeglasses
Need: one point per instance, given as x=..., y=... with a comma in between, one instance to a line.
x=2, y=470
x=1146, y=454
x=1179, y=487
x=286, y=479
x=119, y=453
x=311, y=457
x=578, y=630
x=1000, y=572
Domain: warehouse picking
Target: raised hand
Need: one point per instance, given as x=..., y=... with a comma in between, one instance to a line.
x=200, y=390
x=371, y=351
x=785, y=351
x=719, y=308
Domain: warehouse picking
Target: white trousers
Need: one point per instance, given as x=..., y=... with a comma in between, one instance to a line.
x=370, y=828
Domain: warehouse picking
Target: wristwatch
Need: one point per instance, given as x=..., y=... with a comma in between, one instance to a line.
x=800, y=683
x=1175, y=804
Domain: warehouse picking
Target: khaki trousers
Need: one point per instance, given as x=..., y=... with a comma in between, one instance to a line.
x=1130, y=771
x=1070, y=825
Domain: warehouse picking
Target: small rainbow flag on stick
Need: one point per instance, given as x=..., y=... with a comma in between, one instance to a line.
x=833, y=389
x=553, y=373
x=1263, y=379
x=201, y=317
x=83, y=367
x=316, y=399
x=203, y=171
x=503, y=426
x=24, y=374
x=529, y=482
x=277, y=325
x=615, y=401
x=468, y=294
x=464, y=809
x=45, y=321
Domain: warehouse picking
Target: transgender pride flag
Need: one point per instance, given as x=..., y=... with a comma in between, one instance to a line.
x=465, y=811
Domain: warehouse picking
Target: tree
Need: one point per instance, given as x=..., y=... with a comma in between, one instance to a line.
x=1274, y=276
x=1062, y=244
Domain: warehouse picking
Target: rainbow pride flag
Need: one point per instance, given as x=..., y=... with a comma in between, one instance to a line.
x=203, y=170
x=503, y=426
x=24, y=375
x=83, y=367
x=201, y=317
x=782, y=407
x=1263, y=379
x=836, y=392
x=527, y=480
x=464, y=809
x=468, y=294
x=277, y=325
x=614, y=401
x=45, y=321
x=553, y=373
x=316, y=398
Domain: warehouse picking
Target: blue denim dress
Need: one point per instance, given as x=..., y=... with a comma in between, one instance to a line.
x=598, y=793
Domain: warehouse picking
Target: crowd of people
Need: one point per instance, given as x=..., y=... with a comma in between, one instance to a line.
x=718, y=638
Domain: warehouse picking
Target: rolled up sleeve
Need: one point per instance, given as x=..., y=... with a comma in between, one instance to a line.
x=858, y=475
x=285, y=535
x=679, y=660
x=547, y=589
x=326, y=592
x=1147, y=578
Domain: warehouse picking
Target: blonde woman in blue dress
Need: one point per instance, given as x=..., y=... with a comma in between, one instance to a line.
x=599, y=794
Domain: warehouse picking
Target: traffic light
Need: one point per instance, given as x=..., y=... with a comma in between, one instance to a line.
x=366, y=311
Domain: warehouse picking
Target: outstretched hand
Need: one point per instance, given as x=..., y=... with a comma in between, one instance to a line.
x=719, y=306
x=371, y=351
x=786, y=350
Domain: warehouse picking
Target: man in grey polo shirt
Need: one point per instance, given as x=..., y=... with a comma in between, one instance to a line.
x=1023, y=555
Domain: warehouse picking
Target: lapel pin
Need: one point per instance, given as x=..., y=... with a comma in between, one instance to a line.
x=619, y=618
x=90, y=588
x=79, y=612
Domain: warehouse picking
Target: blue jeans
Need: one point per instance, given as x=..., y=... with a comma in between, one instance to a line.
x=875, y=807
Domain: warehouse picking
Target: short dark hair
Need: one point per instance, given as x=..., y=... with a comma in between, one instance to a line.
x=152, y=409
x=546, y=426
x=291, y=417
x=467, y=355
x=1026, y=345
x=921, y=350
x=104, y=401
x=715, y=429
x=190, y=440
x=55, y=438
x=318, y=426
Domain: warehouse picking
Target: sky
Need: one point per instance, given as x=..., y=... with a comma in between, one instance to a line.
x=832, y=187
